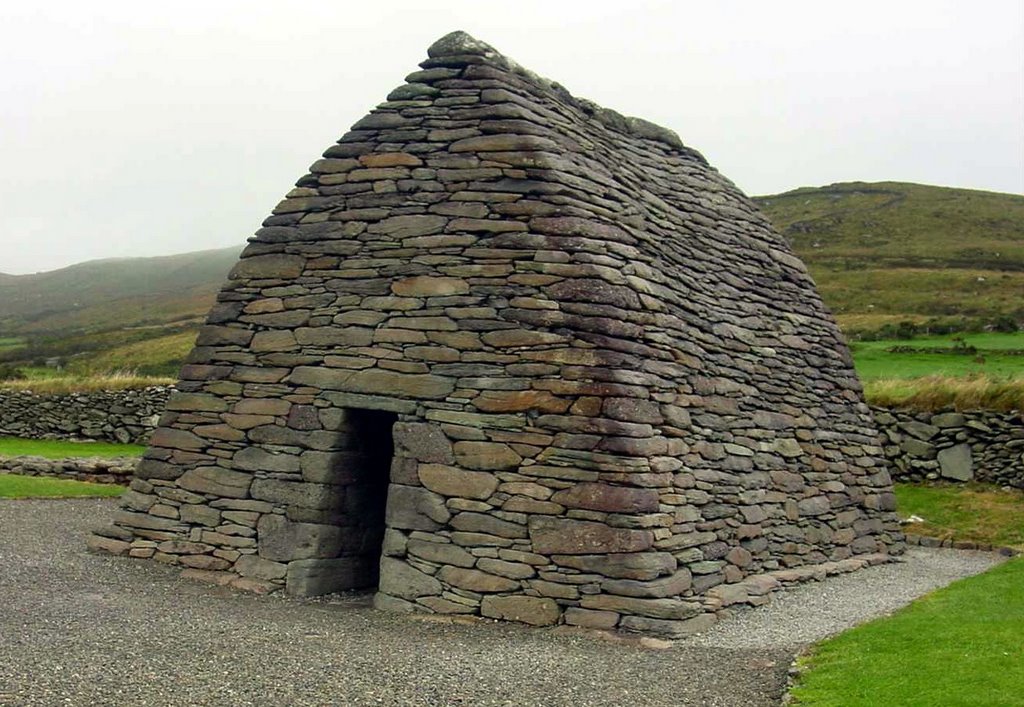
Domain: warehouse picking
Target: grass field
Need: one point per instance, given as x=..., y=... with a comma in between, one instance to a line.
x=57, y=384
x=980, y=513
x=874, y=361
x=958, y=646
x=16, y=486
x=59, y=449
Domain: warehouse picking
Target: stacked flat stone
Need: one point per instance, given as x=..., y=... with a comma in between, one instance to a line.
x=120, y=416
x=96, y=470
x=973, y=445
x=610, y=386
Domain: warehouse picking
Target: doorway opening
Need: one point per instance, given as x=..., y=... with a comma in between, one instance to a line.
x=369, y=440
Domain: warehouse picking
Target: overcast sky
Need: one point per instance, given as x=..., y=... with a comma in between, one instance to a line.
x=150, y=128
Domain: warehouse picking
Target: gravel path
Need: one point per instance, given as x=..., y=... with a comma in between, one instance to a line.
x=82, y=629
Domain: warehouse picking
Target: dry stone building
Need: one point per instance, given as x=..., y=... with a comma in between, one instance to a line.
x=504, y=352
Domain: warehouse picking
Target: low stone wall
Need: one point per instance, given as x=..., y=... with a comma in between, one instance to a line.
x=100, y=471
x=979, y=445
x=125, y=416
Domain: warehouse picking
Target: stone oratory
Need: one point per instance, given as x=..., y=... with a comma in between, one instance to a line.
x=504, y=352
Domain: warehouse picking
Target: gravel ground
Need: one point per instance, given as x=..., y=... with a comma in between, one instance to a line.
x=82, y=629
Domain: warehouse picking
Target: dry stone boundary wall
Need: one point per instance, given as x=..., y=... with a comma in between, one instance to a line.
x=98, y=471
x=978, y=445
x=125, y=416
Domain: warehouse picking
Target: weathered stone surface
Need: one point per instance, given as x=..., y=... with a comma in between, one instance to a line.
x=281, y=540
x=453, y=481
x=217, y=481
x=588, y=618
x=528, y=610
x=575, y=537
x=297, y=493
x=665, y=587
x=475, y=580
x=424, y=442
x=642, y=566
x=441, y=553
x=413, y=508
x=260, y=568
x=427, y=286
x=955, y=463
x=668, y=628
x=675, y=609
x=375, y=382
x=486, y=523
x=402, y=580
x=268, y=266
x=257, y=459
x=605, y=497
x=486, y=455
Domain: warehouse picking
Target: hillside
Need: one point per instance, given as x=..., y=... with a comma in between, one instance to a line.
x=113, y=293
x=883, y=254
x=132, y=311
x=890, y=252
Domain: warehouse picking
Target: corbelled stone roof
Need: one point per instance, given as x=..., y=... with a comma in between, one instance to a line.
x=504, y=352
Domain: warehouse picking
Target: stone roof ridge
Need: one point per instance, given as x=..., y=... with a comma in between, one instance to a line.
x=459, y=43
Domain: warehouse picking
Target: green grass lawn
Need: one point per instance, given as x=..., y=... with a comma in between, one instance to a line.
x=981, y=513
x=873, y=360
x=961, y=645
x=59, y=449
x=16, y=486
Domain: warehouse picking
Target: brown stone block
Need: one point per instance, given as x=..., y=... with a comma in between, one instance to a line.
x=605, y=497
x=453, y=481
x=222, y=432
x=98, y=543
x=588, y=618
x=528, y=610
x=475, y=580
x=196, y=402
x=217, y=481
x=643, y=566
x=675, y=609
x=668, y=628
x=262, y=406
x=429, y=286
x=276, y=266
x=520, y=401
x=390, y=159
x=441, y=553
x=486, y=455
x=470, y=522
x=176, y=439
x=523, y=504
x=576, y=537
x=503, y=143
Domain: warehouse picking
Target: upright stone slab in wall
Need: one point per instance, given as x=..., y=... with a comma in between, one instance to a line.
x=525, y=357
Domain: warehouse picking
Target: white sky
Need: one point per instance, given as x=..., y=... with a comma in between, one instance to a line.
x=149, y=128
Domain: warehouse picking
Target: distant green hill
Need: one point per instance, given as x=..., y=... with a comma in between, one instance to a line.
x=888, y=258
x=100, y=307
x=114, y=293
x=889, y=252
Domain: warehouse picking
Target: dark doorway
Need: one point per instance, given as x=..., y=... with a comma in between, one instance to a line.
x=369, y=446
